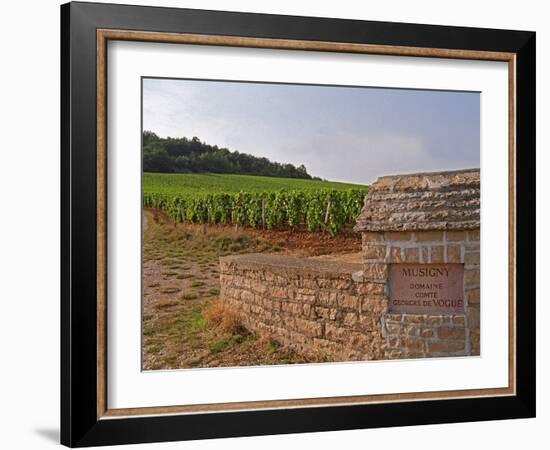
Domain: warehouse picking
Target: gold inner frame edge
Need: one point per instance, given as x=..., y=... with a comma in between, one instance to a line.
x=103, y=36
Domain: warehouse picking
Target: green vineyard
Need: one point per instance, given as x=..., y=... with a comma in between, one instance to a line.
x=258, y=202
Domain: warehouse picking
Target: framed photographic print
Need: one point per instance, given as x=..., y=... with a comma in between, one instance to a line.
x=276, y=224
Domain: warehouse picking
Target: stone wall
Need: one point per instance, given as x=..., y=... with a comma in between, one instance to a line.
x=342, y=311
x=339, y=310
x=315, y=307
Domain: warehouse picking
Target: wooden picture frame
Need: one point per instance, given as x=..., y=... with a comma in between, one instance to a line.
x=86, y=418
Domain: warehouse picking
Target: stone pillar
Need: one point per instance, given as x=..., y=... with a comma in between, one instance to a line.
x=421, y=241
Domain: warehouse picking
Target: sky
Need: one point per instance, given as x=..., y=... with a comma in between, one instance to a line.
x=348, y=134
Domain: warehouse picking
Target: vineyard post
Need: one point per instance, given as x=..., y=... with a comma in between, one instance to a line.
x=327, y=212
x=263, y=213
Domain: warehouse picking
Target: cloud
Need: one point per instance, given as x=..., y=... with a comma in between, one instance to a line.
x=361, y=158
x=341, y=134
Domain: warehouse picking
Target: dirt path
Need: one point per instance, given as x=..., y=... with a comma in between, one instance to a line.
x=181, y=281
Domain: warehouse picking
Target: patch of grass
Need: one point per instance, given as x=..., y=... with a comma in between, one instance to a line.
x=193, y=362
x=147, y=317
x=189, y=322
x=197, y=283
x=148, y=331
x=154, y=348
x=199, y=323
x=169, y=290
x=274, y=346
x=219, y=316
x=220, y=344
x=153, y=285
x=248, y=342
x=171, y=360
x=170, y=261
x=183, y=276
x=214, y=291
x=167, y=304
x=189, y=296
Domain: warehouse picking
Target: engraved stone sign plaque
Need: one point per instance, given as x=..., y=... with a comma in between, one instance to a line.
x=426, y=288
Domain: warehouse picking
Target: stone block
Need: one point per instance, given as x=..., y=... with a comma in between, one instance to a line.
x=473, y=316
x=426, y=332
x=374, y=306
x=367, y=323
x=291, y=308
x=343, y=283
x=471, y=246
x=394, y=317
x=396, y=255
x=412, y=255
x=307, y=310
x=412, y=344
x=474, y=342
x=472, y=296
x=398, y=236
x=473, y=235
x=424, y=254
x=348, y=301
x=370, y=288
x=454, y=253
x=471, y=277
x=359, y=340
x=328, y=347
x=394, y=328
x=335, y=333
x=373, y=251
x=438, y=254
x=425, y=236
x=305, y=295
x=247, y=296
x=451, y=333
x=411, y=330
x=326, y=313
x=394, y=354
x=376, y=271
x=350, y=319
x=471, y=258
x=306, y=283
x=459, y=321
x=456, y=235
x=328, y=299
x=308, y=327
x=393, y=342
x=278, y=292
x=446, y=346
x=368, y=237
x=414, y=318
x=295, y=337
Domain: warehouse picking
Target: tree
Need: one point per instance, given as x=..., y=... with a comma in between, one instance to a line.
x=192, y=155
x=157, y=160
